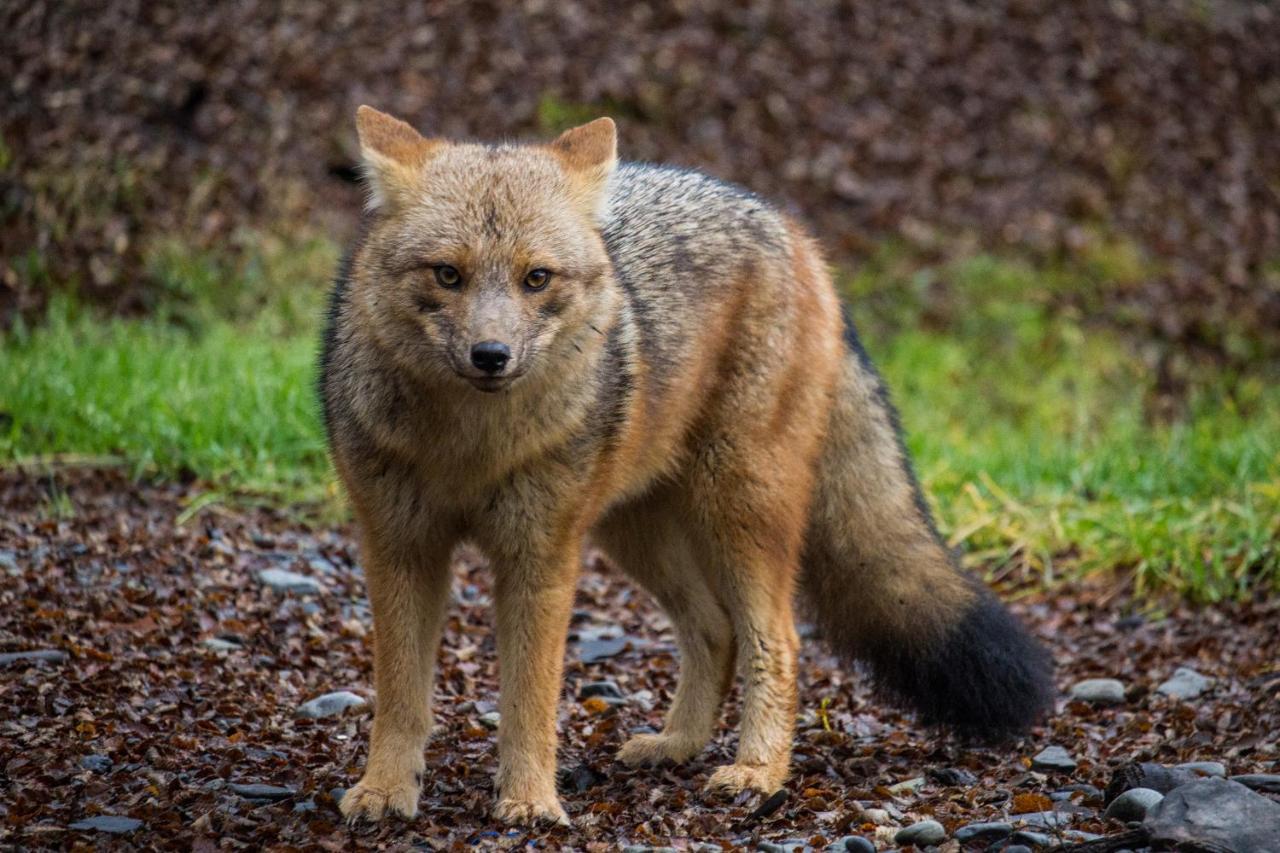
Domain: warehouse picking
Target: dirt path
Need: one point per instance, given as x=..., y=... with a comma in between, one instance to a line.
x=146, y=718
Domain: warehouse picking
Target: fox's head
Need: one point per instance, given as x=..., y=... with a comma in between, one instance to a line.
x=485, y=262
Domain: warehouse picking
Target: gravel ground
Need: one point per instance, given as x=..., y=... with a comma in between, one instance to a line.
x=176, y=674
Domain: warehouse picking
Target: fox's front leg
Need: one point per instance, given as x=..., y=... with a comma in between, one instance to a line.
x=408, y=588
x=534, y=597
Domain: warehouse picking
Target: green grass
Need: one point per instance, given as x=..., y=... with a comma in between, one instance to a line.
x=1042, y=441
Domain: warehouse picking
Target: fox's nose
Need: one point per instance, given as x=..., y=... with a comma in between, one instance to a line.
x=490, y=356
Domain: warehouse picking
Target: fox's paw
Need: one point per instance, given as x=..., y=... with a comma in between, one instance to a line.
x=654, y=749
x=733, y=779
x=371, y=802
x=527, y=812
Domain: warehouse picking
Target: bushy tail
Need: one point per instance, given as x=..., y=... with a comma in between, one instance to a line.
x=886, y=590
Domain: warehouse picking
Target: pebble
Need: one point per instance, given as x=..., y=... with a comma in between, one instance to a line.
x=1186, y=683
x=1017, y=848
x=1133, y=804
x=1031, y=839
x=640, y=848
x=603, y=689
x=96, y=763
x=110, y=823
x=491, y=720
x=1053, y=758
x=285, y=581
x=788, y=846
x=854, y=844
x=953, y=776
x=256, y=791
x=1045, y=819
x=1098, y=691
x=880, y=817
x=590, y=651
x=1079, y=836
x=909, y=786
x=1206, y=768
x=330, y=704
x=289, y=582
x=1266, y=782
x=1091, y=794
x=983, y=832
x=921, y=834
x=218, y=644
x=34, y=656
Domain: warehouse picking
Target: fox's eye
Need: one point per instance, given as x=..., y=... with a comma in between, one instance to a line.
x=537, y=279
x=448, y=276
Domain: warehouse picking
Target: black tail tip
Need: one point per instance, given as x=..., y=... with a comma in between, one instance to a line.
x=985, y=679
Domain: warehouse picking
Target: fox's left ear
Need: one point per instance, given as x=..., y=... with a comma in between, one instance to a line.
x=393, y=154
x=588, y=154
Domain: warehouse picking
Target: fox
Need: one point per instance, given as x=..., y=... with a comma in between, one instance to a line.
x=533, y=346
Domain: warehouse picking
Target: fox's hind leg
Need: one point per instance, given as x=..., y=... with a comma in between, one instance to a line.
x=649, y=542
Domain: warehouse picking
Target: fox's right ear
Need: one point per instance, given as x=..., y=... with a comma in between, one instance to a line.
x=393, y=155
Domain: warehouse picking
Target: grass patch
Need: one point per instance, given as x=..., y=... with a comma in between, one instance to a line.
x=1044, y=443
x=218, y=384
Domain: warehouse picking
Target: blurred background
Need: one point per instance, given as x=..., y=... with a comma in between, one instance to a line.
x=1058, y=223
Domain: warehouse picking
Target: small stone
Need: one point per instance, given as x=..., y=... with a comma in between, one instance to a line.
x=109, y=823
x=255, y=791
x=603, y=689
x=96, y=763
x=330, y=704
x=491, y=720
x=1050, y=819
x=788, y=846
x=1053, y=758
x=1088, y=793
x=1206, y=768
x=1098, y=691
x=285, y=581
x=304, y=806
x=1133, y=804
x=953, y=776
x=590, y=651
x=34, y=656
x=921, y=834
x=983, y=832
x=1186, y=683
x=1079, y=835
x=1017, y=848
x=1031, y=839
x=1266, y=782
x=855, y=844
x=579, y=779
x=218, y=644
x=909, y=786
x=880, y=817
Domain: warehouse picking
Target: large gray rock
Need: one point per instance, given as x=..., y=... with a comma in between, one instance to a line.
x=1186, y=683
x=1215, y=814
x=1098, y=691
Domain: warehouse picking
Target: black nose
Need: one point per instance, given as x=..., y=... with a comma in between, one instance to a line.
x=490, y=356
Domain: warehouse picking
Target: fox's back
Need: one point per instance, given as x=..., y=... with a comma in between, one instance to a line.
x=682, y=244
